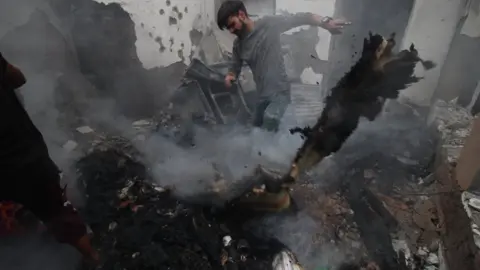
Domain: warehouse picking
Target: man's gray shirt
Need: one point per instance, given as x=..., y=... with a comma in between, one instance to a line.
x=262, y=51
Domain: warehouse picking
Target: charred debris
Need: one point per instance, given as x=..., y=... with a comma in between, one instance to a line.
x=376, y=204
x=139, y=225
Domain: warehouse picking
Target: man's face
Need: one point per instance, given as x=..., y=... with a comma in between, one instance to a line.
x=236, y=24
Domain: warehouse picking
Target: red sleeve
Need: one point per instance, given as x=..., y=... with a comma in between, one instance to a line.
x=10, y=76
x=3, y=68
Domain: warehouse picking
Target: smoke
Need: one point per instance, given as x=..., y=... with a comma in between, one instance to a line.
x=300, y=233
x=235, y=153
x=38, y=96
x=35, y=251
x=31, y=43
x=45, y=55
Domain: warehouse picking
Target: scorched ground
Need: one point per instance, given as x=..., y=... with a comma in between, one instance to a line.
x=138, y=225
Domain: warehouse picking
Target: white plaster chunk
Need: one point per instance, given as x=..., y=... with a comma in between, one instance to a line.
x=70, y=145
x=309, y=76
x=433, y=259
x=475, y=203
x=85, y=129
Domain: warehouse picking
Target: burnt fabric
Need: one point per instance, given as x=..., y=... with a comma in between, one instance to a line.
x=37, y=188
x=29, y=176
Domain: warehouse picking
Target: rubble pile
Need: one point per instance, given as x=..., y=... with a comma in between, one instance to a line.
x=453, y=123
x=139, y=225
x=371, y=208
x=457, y=195
x=121, y=211
x=471, y=202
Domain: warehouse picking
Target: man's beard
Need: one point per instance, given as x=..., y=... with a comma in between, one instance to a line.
x=242, y=32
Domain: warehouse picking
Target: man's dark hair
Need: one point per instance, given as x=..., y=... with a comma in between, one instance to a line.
x=227, y=9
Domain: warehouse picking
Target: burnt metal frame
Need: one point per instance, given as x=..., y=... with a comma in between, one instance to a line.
x=216, y=110
x=209, y=99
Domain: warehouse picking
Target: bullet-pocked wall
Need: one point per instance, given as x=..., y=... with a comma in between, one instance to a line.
x=99, y=44
x=167, y=30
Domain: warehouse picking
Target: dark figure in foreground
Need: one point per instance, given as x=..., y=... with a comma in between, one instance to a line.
x=29, y=176
x=258, y=44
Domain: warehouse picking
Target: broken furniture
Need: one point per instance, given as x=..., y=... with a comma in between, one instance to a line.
x=223, y=104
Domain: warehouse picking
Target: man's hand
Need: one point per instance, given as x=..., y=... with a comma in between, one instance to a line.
x=335, y=26
x=229, y=80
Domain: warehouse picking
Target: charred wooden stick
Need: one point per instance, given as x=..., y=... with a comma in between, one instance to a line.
x=378, y=75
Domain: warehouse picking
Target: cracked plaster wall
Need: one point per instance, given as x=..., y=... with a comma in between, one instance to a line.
x=460, y=75
x=169, y=30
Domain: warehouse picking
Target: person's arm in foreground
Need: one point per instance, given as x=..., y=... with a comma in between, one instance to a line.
x=286, y=22
x=236, y=67
x=11, y=77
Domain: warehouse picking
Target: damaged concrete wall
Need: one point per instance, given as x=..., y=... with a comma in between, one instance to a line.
x=382, y=17
x=431, y=28
x=97, y=42
x=31, y=38
x=167, y=31
x=461, y=72
x=74, y=52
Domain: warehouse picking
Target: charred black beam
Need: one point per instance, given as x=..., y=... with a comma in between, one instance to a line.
x=374, y=229
x=380, y=74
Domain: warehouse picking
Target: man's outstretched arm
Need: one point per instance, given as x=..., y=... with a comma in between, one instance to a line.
x=286, y=22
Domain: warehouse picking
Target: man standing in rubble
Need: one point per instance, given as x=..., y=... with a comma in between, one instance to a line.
x=258, y=44
x=28, y=175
